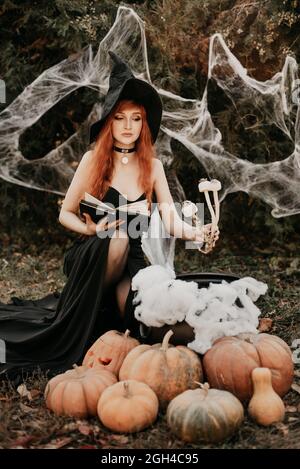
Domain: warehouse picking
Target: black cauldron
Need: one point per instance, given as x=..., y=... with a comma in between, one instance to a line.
x=183, y=332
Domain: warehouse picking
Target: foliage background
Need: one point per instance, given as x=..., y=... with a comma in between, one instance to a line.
x=38, y=34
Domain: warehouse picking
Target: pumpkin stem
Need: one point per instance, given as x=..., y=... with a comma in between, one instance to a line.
x=263, y=374
x=165, y=344
x=126, y=333
x=126, y=389
x=204, y=386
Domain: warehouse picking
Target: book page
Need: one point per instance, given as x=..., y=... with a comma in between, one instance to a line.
x=90, y=198
x=133, y=207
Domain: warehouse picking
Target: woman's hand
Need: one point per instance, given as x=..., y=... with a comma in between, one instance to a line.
x=200, y=235
x=93, y=228
x=207, y=230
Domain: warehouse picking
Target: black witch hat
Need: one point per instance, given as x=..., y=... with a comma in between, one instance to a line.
x=123, y=85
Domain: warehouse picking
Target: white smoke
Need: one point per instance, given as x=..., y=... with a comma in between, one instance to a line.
x=219, y=310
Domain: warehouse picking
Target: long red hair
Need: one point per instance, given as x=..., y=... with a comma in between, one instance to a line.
x=103, y=154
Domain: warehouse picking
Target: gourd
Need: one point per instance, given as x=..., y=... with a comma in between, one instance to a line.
x=128, y=406
x=230, y=361
x=204, y=415
x=110, y=350
x=265, y=406
x=76, y=392
x=167, y=369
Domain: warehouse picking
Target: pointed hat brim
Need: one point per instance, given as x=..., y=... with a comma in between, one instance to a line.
x=123, y=85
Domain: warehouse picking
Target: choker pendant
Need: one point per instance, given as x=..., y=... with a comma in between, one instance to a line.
x=124, y=159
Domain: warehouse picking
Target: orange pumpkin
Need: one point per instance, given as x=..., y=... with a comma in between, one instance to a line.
x=229, y=363
x=128, y=406
x=167, y=369
x=208, y=415
x=110, y=350
x=76, y=392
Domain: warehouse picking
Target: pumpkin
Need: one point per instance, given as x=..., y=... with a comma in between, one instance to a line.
x=76, y=392
x=206, y=415
x=229, y=363
x=167, y=369
x=110, y=350
x=128, y=406
x=265, y=406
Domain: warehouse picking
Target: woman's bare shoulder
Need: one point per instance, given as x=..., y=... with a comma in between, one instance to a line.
x=88, y=155
x=85, y=164
x=156, y=167
x=156, y=162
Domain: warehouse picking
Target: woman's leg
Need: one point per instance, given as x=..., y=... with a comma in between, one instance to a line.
x=117, y=257
x=122, y=290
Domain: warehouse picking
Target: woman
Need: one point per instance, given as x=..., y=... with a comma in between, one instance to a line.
x=126, y=124
x=55, y=332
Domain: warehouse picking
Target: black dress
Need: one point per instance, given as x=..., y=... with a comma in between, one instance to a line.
x=54, y=332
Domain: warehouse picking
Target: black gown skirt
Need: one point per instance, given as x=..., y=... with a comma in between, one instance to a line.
x=54, y=332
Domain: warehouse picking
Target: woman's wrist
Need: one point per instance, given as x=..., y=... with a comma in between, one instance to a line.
x=73, y=221
x=90, y=231
x=189, y=233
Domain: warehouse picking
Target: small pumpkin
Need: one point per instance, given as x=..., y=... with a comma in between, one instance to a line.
x=76, y=392
x=204, y=415
x=167, y=369
x=265, y=406
x=110, y=350
x=128, y=406
x=229, y=363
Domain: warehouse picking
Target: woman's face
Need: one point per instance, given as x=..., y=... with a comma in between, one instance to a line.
x=127, y=121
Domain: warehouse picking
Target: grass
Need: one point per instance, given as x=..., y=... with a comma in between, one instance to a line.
x=26, y=423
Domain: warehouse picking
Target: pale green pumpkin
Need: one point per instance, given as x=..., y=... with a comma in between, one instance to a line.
x=207, y=415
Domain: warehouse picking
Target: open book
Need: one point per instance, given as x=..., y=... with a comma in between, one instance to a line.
x=98, y=209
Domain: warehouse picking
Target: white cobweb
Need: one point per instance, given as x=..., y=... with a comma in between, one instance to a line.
x=186, y=120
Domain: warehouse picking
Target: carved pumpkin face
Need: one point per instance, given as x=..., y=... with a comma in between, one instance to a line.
x=110, y=350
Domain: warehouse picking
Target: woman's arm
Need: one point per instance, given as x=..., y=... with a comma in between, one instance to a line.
x=173, y=223
x=79, y=184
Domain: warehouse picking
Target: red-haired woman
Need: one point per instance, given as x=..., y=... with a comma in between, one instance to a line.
x=102, y=174
x=120, y=168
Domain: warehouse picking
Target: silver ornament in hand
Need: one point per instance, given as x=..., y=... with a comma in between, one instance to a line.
x=189, y=210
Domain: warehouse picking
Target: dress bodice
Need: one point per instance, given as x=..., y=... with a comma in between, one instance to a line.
x=113, y=195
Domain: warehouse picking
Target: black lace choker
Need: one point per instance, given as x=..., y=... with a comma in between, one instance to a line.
x=124, y=150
